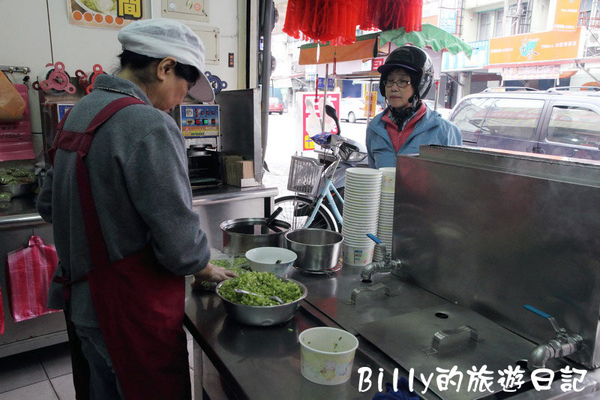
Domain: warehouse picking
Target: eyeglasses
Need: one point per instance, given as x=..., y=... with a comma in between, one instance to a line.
x=401, y=83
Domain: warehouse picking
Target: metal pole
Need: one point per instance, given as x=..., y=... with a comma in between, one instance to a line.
x=437, y=94
x=267, y=18
x=323, y=113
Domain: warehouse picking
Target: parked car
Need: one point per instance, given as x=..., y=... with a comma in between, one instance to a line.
x=444, y=112
x=557, y=122
x=353, y=108
x=275, y=105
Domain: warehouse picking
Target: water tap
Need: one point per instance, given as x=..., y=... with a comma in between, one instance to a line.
x=386, y=265
x=562, y=345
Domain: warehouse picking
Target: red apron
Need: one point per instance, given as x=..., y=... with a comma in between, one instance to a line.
x=139, y=303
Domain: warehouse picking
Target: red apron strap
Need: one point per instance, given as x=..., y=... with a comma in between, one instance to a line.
x=97, y=247
x=59, y=128
x=98, y=250
x=81, y=142
x=108, y=112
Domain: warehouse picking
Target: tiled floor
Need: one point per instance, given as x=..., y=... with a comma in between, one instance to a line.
x=43, y=374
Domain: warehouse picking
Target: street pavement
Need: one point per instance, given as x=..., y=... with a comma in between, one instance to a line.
x=284, y=141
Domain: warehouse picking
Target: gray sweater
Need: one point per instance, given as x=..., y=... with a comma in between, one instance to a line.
x=138, y=172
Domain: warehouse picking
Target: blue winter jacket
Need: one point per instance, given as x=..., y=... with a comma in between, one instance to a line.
x=430, y=129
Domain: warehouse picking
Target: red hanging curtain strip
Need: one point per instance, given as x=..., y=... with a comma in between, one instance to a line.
x=336, y=21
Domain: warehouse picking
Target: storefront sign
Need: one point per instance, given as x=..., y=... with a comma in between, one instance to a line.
x=312, y=111
x=460, y=62
x=567, y=15
x=535, y=47
x=330, y=83
x=448, y=20
x=534, y=72
x=106, y=13
x=377, y=62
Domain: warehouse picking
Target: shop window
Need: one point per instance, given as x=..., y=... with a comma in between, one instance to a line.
x=521, y=23
x=485, y=26
x=589, y=13
x=574, y=125
x=499, y=23
x=490, y=24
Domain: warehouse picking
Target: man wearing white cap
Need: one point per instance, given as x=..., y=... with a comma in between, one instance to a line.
x=120, y=202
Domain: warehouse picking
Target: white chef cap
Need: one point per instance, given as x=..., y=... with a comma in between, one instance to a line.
x=162, y=37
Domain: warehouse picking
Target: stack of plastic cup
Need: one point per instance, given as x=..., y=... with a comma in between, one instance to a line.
x=361, y=213
x=385, y=226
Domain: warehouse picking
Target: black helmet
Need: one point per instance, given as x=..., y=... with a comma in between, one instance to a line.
x=418, y=64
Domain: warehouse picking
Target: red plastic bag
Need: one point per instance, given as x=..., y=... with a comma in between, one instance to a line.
x=29, y=272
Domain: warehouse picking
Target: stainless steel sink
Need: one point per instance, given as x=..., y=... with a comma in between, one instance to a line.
x=447, y=338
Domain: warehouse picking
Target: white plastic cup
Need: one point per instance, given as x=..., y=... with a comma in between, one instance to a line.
x=327, y=355
x=388, y=184
x=357, y=255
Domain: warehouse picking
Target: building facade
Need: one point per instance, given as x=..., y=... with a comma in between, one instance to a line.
x=534, y=43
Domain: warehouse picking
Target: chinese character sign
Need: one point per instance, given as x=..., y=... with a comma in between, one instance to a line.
x=106, y=13
x=567, y=15
x=313, y=109
x=536, y=47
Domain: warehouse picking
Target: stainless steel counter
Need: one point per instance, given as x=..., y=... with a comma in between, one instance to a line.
x=264, y=362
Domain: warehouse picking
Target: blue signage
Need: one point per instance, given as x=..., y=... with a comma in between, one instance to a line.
x=62, y=110
x=330, y=83
x=459, y=62
x=448, y=20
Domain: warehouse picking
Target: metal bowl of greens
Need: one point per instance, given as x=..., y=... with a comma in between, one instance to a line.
x=260, y=310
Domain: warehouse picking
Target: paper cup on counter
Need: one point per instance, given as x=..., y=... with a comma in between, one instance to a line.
x=357, y=255
x=388, y=184
x=327, y=355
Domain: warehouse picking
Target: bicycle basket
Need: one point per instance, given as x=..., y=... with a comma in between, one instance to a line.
x=305, y=175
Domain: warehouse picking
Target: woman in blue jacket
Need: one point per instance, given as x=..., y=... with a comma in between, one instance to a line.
x=407, y=123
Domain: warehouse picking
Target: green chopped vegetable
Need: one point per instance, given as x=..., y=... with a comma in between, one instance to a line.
x=221, y=263
x=231, y=263
x=5, y=196
x=263, y=283
x=237, y=261
x=16, y=176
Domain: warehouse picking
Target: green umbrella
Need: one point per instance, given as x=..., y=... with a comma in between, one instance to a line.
x=430, y=35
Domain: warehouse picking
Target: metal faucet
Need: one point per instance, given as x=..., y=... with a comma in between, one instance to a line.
x=563, y=345
x=386, y=265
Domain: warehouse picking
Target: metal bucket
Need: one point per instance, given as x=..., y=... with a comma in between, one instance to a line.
x=318, y=250
x=243, y=234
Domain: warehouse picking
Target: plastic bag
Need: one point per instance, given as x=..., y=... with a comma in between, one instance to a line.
x=16, y=140
x=29, y=272
x=12, y=105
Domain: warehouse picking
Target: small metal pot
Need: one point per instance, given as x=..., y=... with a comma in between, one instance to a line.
x=318, y=250
x=243, y=234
